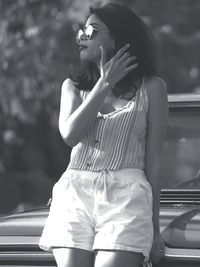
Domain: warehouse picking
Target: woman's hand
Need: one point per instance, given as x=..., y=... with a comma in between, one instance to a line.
x=117, y=67
x=158, y=248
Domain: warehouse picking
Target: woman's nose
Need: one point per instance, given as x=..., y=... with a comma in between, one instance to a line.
x=83, y=37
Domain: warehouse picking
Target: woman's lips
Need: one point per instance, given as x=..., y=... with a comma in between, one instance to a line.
x=81, y=47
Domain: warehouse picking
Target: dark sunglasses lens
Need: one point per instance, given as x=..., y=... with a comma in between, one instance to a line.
x=89, y=31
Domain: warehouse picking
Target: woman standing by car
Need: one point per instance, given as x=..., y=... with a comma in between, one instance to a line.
x=113, y=112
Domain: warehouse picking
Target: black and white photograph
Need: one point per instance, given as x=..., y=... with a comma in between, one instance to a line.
x=100, y=133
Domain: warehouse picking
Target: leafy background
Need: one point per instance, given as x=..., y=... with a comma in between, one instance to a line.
x=37, y=47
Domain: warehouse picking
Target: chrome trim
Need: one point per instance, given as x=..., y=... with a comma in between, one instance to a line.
x=182, y=254
x=179, y=190
x=183, y=97
x=172, y=254
x=25, y=256
x=19, y=241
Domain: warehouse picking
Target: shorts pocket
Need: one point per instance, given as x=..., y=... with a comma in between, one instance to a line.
x=146, y=194
x=60, y=190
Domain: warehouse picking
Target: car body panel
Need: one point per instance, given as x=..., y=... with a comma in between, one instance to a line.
x=20, y=236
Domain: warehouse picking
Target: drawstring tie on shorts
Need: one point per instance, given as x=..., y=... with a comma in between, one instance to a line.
x=101, y=191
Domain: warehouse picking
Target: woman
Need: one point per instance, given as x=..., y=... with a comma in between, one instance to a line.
x=113, y=112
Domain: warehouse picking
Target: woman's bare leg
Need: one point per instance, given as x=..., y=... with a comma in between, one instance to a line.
x=117, y=258
x=73, y=257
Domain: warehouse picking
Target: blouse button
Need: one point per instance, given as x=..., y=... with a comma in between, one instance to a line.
x=89, y=164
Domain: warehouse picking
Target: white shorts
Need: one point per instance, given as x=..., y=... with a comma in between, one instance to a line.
x=109, y=210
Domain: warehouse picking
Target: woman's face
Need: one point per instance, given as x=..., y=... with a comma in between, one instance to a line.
x=90, y=48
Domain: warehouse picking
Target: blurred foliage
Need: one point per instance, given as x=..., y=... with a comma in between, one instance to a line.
x=37, y=47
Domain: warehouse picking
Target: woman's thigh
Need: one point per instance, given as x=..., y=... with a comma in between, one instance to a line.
x=118, y=258
x=73, y=257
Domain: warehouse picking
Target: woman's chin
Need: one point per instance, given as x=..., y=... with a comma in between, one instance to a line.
x=84, y=56
x=84, y=53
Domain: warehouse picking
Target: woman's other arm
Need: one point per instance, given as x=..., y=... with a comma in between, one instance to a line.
x=157, y=121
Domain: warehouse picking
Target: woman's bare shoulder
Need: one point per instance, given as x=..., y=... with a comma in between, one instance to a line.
x=156, y=87
x=69, y=87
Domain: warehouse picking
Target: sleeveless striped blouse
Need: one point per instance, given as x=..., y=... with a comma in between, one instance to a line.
x=116, y=140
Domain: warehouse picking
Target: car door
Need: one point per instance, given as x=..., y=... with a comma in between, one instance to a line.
x=180, y=197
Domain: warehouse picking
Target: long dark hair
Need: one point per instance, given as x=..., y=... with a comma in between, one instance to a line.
x=125, y=27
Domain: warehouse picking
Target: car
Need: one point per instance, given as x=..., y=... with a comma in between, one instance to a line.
x=180, y=199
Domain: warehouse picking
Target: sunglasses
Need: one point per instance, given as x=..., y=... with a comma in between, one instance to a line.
x=87, y=33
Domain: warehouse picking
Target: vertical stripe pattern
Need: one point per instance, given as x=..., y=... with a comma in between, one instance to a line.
x=116, y=140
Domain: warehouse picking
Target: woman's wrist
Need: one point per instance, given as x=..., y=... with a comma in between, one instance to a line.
x=105, y=83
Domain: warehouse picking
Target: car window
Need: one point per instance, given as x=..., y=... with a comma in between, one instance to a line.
x=181, y=158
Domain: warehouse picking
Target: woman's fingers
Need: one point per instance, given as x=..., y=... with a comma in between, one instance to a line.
x=121, y=51
x=126, y=70
x=129, y=60
x=118, y=66
x=131, y=67
x=124, y=57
